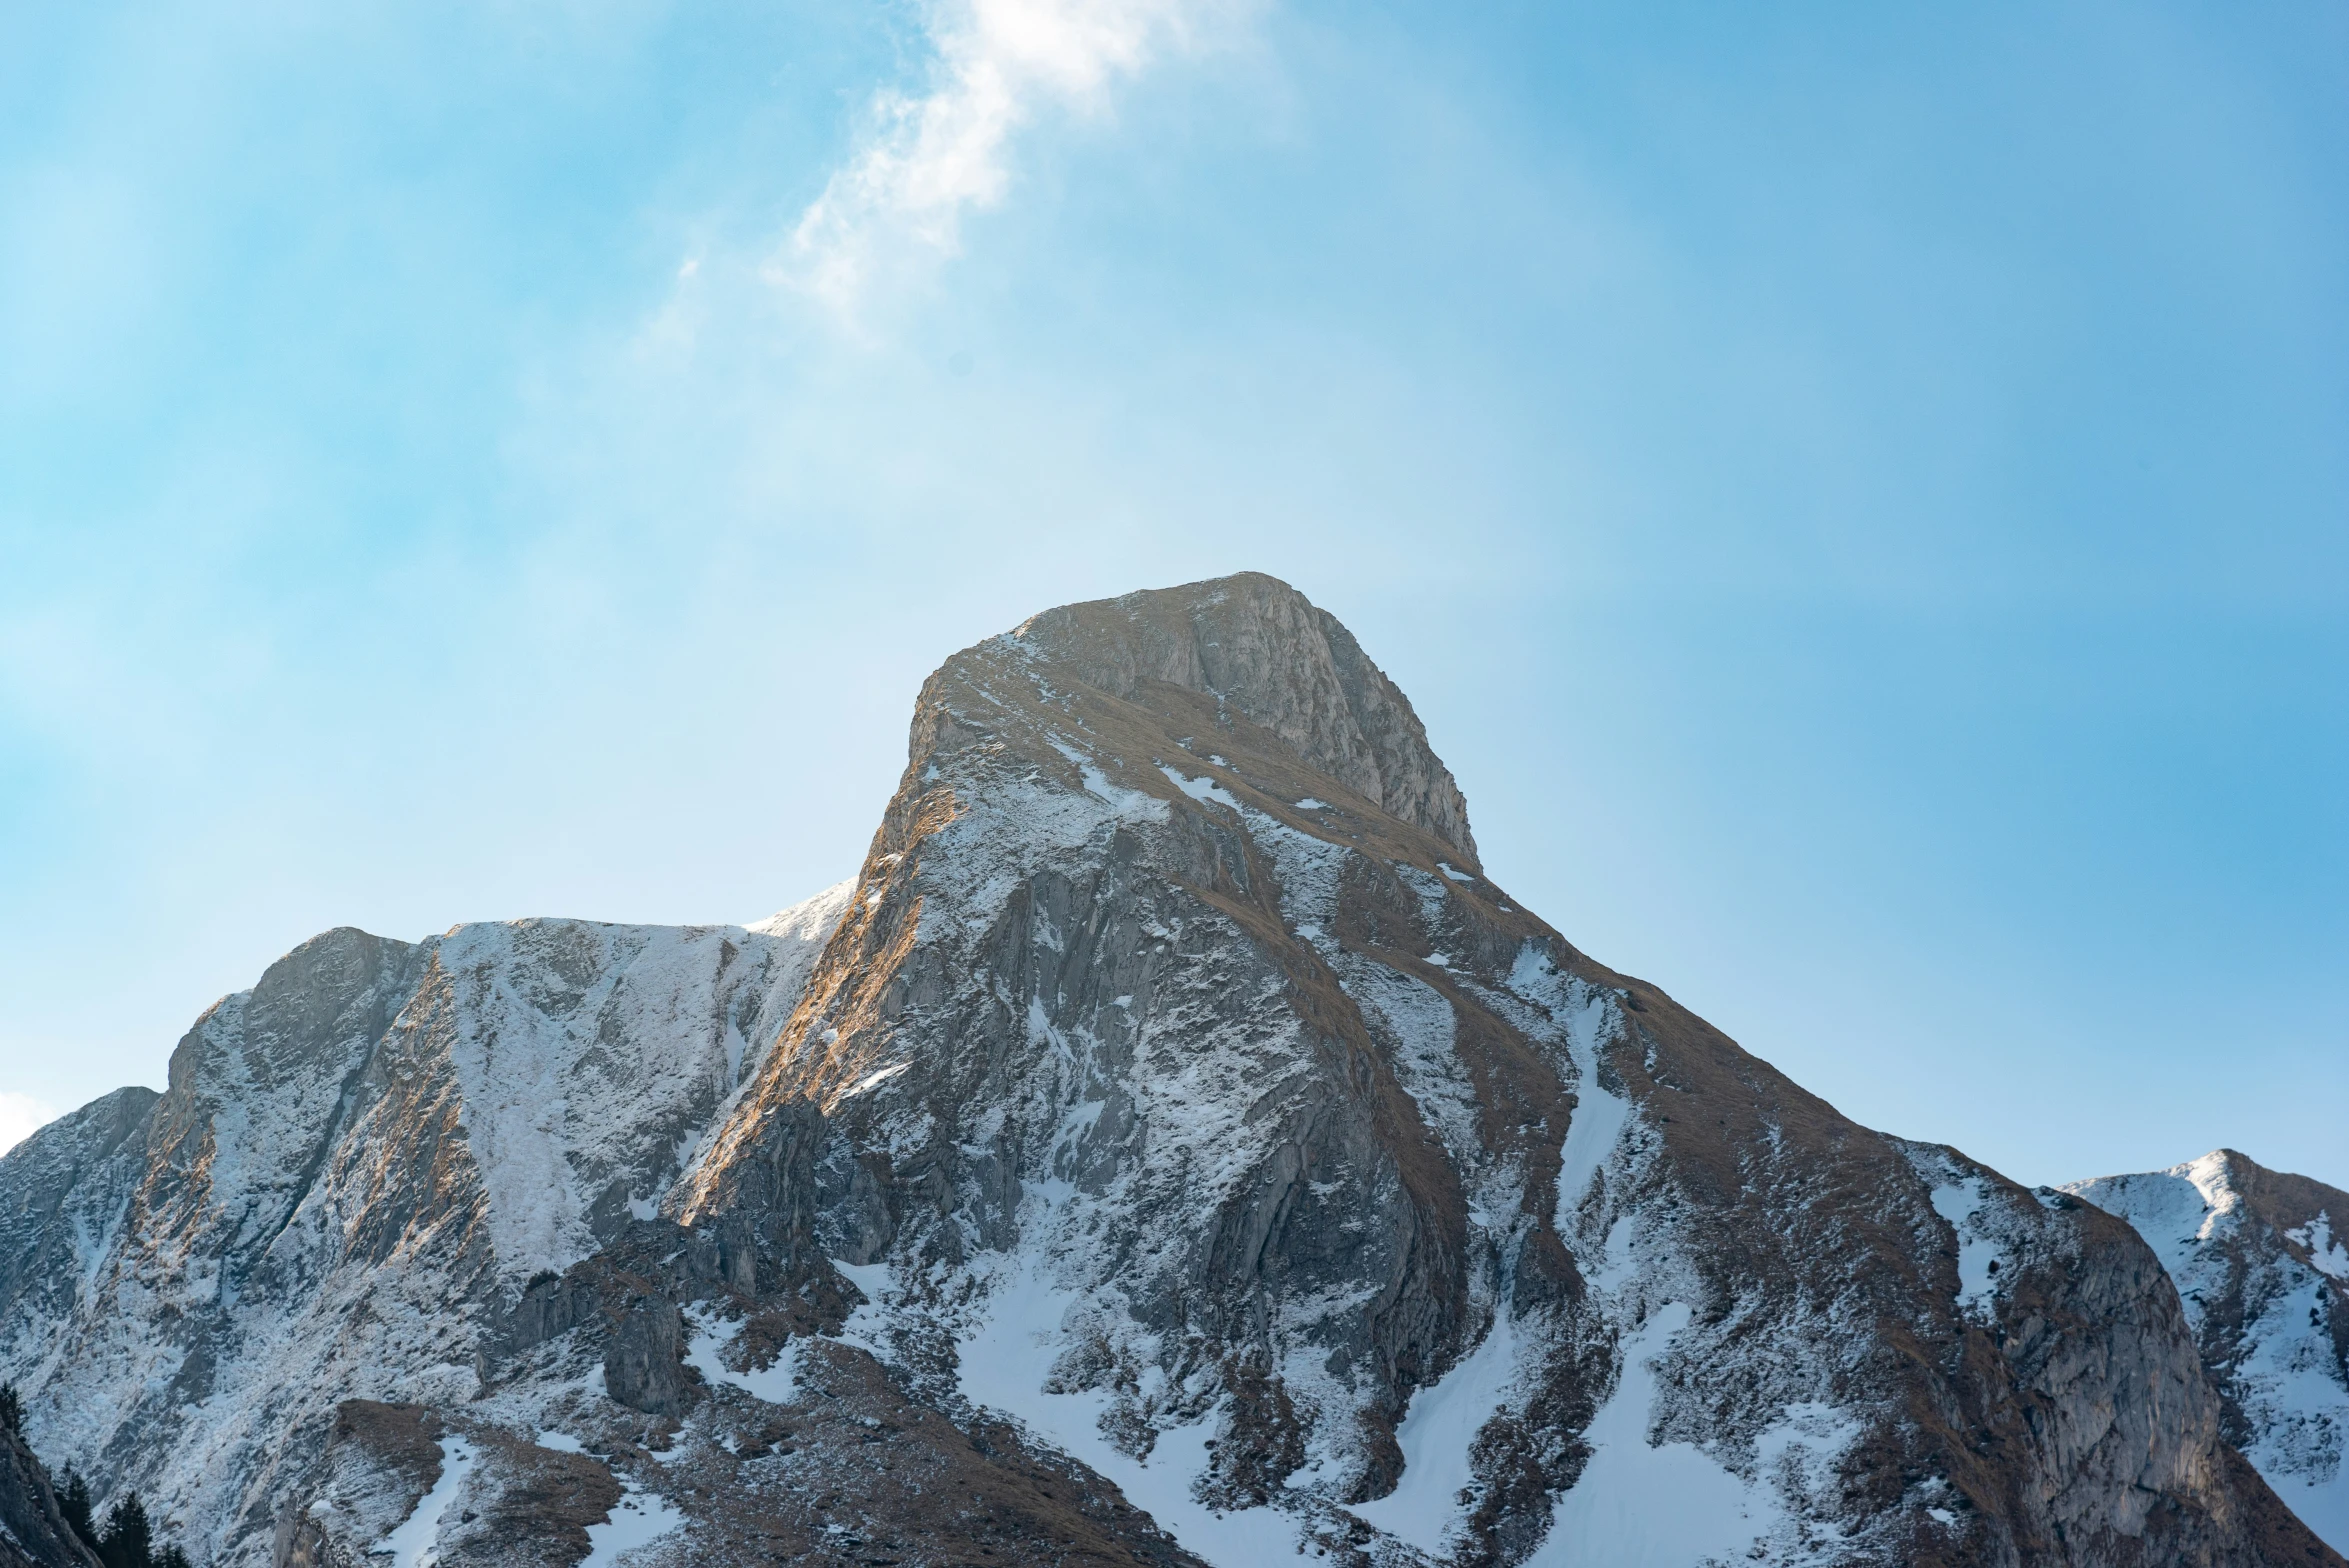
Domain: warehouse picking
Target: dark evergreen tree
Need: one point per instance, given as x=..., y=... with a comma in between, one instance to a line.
x=73, y=1501
x=129, y=1541
x=11, y=1408
x=172, y=1557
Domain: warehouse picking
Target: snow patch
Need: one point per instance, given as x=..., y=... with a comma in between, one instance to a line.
x=1591, y=1135
x=1199, y=789
x=1437, y=1430
x=1958, y=1203
x=874, y=1080
x=1006, y=1361
x=416, y=1543
x=1643, y=1505
x=2327, y=1256
x=639, y=1519
x=777, y=1383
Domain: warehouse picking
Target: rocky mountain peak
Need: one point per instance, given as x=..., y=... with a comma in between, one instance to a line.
x=1172, y=1147
x=1262, y=649
x=2261, y=1268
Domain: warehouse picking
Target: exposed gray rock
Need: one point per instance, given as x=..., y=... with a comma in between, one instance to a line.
x=643, y=1366
x=1264, y=653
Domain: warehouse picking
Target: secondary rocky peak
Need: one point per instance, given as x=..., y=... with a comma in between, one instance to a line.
x=2261, y=1269
x=1262, y=649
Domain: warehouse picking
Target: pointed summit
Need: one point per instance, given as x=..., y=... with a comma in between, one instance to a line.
x=1267, y=653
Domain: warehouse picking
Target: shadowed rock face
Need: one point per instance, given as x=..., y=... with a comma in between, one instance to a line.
x=1180, y=1151
x=62, y=1203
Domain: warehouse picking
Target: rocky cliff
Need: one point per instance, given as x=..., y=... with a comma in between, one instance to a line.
x=1173, y=1147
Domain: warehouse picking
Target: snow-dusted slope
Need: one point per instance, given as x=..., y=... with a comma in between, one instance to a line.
x=2260, y=1260
x=357, y=1162
x=1174, y=1148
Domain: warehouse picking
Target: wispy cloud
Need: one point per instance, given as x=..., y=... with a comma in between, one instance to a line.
x=930, y=158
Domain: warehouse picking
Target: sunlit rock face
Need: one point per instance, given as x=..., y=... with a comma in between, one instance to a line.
x=1172, y=1146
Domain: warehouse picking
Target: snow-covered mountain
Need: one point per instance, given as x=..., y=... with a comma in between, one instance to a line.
x=2260, y=1261
x=1172, y=1146
x=357, y=1163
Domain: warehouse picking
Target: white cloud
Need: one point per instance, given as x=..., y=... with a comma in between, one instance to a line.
x=20, y=1114
x=931, y=158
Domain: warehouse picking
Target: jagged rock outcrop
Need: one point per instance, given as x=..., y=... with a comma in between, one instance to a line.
x=1181, y=1150
x=2264, y=1279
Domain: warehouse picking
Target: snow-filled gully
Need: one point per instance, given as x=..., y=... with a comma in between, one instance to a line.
x=416, y=1543
x=1436, y=1433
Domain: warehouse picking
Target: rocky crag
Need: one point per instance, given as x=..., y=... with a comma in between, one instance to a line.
x=1172, y=1147
x=2264, y=1277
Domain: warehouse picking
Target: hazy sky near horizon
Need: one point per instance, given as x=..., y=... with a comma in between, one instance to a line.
x=1859, y=495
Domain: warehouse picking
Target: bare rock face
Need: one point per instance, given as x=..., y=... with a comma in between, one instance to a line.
x=644, y=1367
x=1181, y=1151
x=1262, y=652
x=2264, y=1281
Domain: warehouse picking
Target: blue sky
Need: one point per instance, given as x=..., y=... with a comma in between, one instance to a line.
x=1860, y=495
